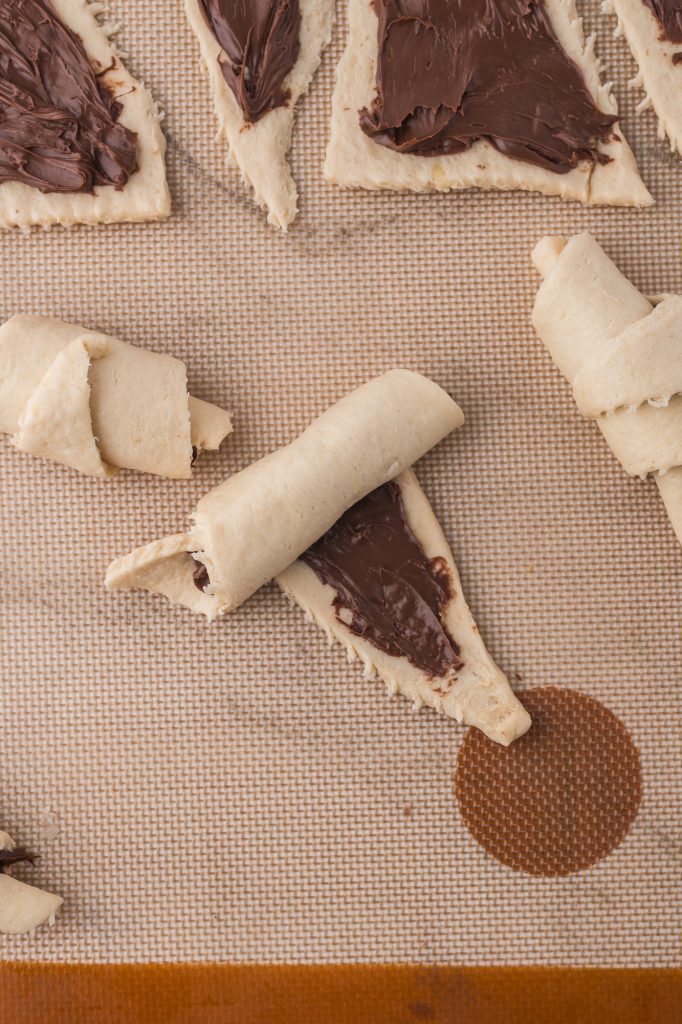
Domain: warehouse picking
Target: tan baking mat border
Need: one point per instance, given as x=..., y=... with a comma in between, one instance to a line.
x=335, y=994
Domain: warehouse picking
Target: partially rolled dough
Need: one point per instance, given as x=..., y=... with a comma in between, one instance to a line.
x=145, y=196
x=96, y=404
x=259, y=521
x=355, y=161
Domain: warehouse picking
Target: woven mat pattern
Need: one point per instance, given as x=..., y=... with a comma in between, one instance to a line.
x=238, y=792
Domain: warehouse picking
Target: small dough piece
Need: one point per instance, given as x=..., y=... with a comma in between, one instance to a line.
x=259, y=521
x=23, y=907
x=96, y=404
x=145, y=196
x=622, y=356
x=260, y=149
x=479, y=695
x=660, y=76
x=354, y=160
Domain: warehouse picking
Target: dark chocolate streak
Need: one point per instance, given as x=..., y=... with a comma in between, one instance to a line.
x=668, y=13
x=58, y=130
x=200, y=577
x=387, y=590
x=261, y=43
x=10, y=857
x=450, y=72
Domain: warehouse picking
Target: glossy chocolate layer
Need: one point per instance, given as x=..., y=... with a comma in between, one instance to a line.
x=450, y=72
x=8, y=858
x=58, y=122
x=668, y=13
x=261, y=43
x=387, y=590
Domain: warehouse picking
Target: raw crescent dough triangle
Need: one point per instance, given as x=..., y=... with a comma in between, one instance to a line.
x=480, y=695
x=658, y=76
x=145, y=196
x=260, y=149
x=353, y=160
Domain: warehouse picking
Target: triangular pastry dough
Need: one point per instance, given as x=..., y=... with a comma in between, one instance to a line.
x=354, y=159
x=621, y=354
x=479, y=693
x=43, y=125
x=259, y=141
x=658, y=59
x=251, y=528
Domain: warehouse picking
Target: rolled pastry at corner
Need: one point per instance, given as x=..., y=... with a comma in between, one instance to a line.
x=258, y=524
x=22, y=907
x=96, y=404
x=621, y=354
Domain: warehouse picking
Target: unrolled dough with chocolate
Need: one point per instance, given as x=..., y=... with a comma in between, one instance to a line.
x=450, y=72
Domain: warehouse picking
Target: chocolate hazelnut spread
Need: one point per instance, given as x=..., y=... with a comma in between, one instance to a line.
x=261, y=43
x=387, y=590
x=58, y=121
x=450, y=72
x=8, y=858
x=668, y=13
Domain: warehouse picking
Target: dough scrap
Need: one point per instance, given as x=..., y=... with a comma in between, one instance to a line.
x=145, y=196
x=480, y=695
x=23, y=907
x=622, y=355
x=96, y=404
x=256, y=523
x=260, y=149
x=353, y=160
x=658, y=76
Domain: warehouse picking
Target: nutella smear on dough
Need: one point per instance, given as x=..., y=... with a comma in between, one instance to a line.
x=260, y=39
x=387, y=590
x=58, y=121
x=450, y=72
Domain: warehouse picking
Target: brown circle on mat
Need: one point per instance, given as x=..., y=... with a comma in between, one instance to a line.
x=561, y=797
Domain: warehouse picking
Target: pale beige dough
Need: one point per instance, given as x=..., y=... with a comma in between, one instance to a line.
x=479, y=694
x=255, y=526
x=260, y=149
x=96, y=404
x=145, y=196
x=621, y=354
x=23, y=907
x=354, y=160
x=660, y=79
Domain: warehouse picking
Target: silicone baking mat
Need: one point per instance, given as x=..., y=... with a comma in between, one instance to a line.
x=237, y=791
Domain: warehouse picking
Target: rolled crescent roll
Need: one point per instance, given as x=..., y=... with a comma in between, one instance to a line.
x=94, y=403
x=265, y=521
x=621, y=354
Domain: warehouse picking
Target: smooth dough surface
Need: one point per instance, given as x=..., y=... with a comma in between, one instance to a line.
x=94, y=403
x=480, y=695
x=145, y=196
x=354, y=160
x=658, y=76
x=260, y=520
x=260, y=149
x=622, y=355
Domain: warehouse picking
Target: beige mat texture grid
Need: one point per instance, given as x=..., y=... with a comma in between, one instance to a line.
x=237, y=791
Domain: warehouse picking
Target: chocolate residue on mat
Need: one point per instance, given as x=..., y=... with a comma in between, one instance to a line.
x=561, y=797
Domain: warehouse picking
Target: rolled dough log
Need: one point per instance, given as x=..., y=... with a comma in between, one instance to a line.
x=354, y=160
x=622, y=355
x=258, y=522
x=659, y=76
x=92, y=402
x=260, y=149
x=479, y=694
x=145, y=196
